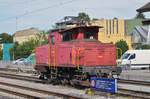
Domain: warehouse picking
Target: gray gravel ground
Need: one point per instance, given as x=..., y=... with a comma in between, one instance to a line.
x=8, y=96
x=56, y=88
x=134, y=87
x=141, y=75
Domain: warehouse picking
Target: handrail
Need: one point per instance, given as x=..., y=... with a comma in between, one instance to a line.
x=54, y=56
x=78, y=58
x=118, y=55
x=73, y=60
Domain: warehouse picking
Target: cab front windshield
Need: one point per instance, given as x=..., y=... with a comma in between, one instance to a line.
x=125, y=56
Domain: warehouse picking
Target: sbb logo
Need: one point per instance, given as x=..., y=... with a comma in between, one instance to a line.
x=93, y=83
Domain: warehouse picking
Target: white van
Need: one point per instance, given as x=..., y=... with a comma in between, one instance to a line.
x=136, y=59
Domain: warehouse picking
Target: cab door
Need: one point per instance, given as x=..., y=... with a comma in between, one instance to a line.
x=52, y=51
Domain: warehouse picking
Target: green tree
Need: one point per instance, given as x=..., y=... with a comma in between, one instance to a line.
x=42, y=38
x=123, y=46
x=140, y=15
x=25, y=49
x=1, y=54
x=6, y=38
x=83, y=18
x=143, y=47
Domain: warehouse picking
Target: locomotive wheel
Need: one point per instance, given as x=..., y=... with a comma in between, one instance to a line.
x=41, y=77
x=64, y=82
x=110, y=75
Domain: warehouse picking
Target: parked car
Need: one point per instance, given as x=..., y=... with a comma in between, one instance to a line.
x=25, y=61
x=20, y=61
x=30, y=60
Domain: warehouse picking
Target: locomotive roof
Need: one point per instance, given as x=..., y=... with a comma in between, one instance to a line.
x=77, y=27
x=85, y=40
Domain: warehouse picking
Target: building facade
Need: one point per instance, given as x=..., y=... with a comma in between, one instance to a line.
x=25, y=35
x=116, y=29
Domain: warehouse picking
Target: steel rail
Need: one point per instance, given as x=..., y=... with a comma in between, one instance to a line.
x=41, y=91
x=135, y=82
x=16, y=70
x=21, y=77
x=133, y=93
x=18, y=94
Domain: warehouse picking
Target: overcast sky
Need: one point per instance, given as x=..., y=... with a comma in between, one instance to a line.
x=43, y=14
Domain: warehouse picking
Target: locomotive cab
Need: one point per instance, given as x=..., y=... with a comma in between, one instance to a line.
x=82, y=32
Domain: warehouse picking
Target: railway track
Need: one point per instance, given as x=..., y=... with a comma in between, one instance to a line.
x=21, y=77
x=15, y=69
x=19, y=94
x=121, y=91
x=133, y=82
x=31, y=79
x=128, y=92
x=133, y=94
x=64, y=96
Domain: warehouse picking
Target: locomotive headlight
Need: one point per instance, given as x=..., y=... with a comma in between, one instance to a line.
x=119, y=63
x=100, y=56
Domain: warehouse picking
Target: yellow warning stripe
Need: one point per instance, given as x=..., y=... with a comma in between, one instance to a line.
x=118, y=54
x=78, y=58
x=54, y=56
x=73, y=61
x=49, y=57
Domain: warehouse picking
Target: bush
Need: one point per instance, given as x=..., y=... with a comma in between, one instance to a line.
x=143, y=47
x=22, y=50
x=123, y=46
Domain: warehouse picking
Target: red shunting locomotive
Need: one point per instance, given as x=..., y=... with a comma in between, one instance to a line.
x=76, y=54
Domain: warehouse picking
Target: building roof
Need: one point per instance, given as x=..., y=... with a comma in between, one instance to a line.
x=68, y=20
x=144, y=8
x=27, y=32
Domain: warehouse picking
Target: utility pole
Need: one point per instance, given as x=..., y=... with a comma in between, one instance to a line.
x=16, y=31
x=16, y=23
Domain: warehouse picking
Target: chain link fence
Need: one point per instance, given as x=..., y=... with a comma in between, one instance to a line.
x=12, y=64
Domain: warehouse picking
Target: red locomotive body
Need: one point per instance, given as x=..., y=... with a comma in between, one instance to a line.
x=76, y=53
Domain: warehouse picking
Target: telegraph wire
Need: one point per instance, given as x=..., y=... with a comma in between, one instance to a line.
x=41, y=9
x=16, y=3
x=38, y=10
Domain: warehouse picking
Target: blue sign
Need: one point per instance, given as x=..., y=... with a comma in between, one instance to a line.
x=104, y=84
x=6, y=54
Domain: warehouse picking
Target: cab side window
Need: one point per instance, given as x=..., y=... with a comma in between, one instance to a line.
x=66, y=36
x=53, y=40
x=89, y=35
x=132, y=57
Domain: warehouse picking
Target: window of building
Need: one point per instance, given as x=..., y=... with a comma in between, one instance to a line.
x=110, y=26
x=106, y=26
x=113, y=26
x=117, y=26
